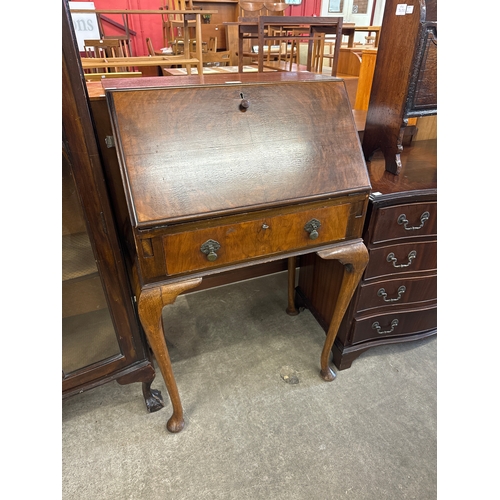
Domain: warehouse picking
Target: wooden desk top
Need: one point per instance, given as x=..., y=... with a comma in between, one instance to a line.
x=418, y=172
x=96, y=90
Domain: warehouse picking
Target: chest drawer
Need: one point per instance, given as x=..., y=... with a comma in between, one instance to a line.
x=394, y=324
x=403, y=258
x=405, y=221
x=225, y=243
x=396, y=292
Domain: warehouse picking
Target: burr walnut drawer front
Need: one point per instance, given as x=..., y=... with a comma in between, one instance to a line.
x=402, y=258
x=403, y=290
x=227, y=243
x=405, y=221
x=393, y=324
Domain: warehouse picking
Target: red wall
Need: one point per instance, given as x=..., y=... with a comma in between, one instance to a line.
x=150, y=25
x=144, y=25
x=306, y=8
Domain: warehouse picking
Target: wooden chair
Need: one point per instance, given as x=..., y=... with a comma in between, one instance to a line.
x=221, y=58
x=151, y=50
x=256, y=8
x=212, y=44
x=279, y=49
x=318, y=53
x=250, y=9
x=173, y=24
x=104, y=48
x=124, y=42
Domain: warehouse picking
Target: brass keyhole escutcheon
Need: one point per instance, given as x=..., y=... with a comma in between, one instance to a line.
x=312, y=228
x=209, y=248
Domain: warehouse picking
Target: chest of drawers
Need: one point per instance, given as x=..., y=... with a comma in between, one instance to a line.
x=396, y=299
x=223, y=172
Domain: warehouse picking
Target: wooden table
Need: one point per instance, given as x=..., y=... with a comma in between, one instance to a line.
x=259, y=30
x=351, y=30
x=208, y=183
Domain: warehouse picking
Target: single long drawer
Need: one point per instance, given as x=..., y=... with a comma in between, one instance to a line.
x=402, y=258
x=405, y=221
x=394, y=324
x=396, y=292
x=248, y=239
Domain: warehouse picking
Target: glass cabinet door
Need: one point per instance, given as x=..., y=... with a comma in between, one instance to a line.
x=88, y=333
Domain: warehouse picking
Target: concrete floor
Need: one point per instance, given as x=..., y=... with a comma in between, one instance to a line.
x=249, y=435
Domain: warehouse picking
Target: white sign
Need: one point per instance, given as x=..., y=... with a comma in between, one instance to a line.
x=400, y=9
x=85, y=25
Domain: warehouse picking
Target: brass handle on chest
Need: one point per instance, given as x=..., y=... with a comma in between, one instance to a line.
x=403, y=220
x=209, y=248
x=382, y=293
x=391, y=258
x=376, y=326
x=312, y=228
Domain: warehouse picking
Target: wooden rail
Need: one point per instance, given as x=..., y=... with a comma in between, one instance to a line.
x=137, y=62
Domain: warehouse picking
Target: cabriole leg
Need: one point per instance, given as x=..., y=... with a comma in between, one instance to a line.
x=354, y=257
x=150, y=305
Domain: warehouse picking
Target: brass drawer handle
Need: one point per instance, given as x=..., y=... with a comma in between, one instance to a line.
x=209, y=248
x=312, y=228
x=403, y=220
x=376, y=326
x=382, y=293
x=391, y=258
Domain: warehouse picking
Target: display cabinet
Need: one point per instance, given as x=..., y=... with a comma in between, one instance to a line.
x=101, y=337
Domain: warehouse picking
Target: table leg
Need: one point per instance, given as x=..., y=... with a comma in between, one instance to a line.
x=354, y=257
x=186, y=42
x=150, y=305
x=261, y=47
x=199, y=44
x=291, y=309
x=309, y=51
x=240, y=50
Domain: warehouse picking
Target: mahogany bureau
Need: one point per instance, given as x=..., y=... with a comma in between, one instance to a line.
x=222, y=172
x=396, y=300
